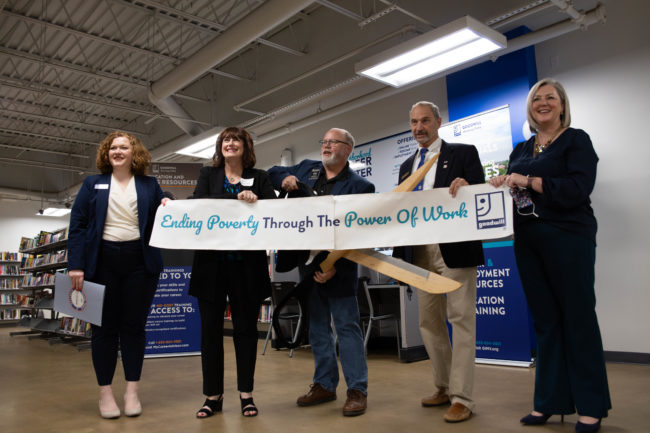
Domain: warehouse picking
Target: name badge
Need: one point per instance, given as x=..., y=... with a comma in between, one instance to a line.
x=315, y=172
x=101, y=186
x=246, y=182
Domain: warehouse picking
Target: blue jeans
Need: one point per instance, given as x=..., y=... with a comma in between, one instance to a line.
x=345, y=312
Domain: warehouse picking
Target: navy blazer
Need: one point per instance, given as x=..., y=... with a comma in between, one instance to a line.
x=344, y=282
x=207, y=268
x=89, y=215
x=455, y=160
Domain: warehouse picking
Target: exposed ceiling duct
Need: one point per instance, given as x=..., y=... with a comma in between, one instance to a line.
x=234, y=38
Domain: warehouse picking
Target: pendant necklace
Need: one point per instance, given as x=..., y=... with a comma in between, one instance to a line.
x=540, y=147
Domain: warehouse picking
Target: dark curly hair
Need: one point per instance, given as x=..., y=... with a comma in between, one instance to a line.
x=141, y=156
x=248, y=159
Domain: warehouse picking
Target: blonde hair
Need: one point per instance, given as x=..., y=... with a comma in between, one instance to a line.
x=565, y=116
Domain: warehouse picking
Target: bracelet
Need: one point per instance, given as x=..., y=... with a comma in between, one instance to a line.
x=529, y=182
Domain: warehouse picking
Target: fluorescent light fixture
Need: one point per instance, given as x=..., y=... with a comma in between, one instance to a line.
x=202, y=145
x=53, y=212
x=440, y=49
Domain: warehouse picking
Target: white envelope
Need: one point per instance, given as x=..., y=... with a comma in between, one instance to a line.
x=85, y=304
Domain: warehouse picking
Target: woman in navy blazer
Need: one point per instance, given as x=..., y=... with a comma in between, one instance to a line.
x=551, y=176
x=240, y=276
x=110, y=227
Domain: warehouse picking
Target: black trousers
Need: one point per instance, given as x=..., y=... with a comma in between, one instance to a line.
x=245, y=313
x=130, y=289
x=557, y=274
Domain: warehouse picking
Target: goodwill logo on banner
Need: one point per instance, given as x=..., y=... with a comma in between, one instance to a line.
x=390, y=219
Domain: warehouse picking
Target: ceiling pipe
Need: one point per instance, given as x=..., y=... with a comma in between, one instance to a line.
x=596, y=15
x=518, y=14
x=402, y=31
x=340, y=9
x=234, y=38
x=19, y=194
x=176, y=113
x=568, y=9
x=405, y=12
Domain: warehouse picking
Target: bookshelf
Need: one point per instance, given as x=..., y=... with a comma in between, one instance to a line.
x=13, y=299
x=42, y=256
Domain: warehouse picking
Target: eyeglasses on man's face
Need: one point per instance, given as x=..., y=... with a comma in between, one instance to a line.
x=331, y=142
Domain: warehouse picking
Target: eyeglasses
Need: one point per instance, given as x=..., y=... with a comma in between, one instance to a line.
x=332, y=142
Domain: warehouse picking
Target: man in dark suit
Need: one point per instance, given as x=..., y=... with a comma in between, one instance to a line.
x=453, y=369
x=334, y=292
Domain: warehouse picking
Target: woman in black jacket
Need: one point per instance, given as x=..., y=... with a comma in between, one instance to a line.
x=551, y=176
x=240, y=276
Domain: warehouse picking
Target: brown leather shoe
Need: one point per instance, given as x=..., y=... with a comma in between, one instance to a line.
x=356, y=403
x=439, y=398
x=316, y=395
x=457, y=412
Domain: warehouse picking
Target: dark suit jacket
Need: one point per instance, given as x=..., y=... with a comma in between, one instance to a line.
x=344, y=282
x=208, y=267
x=89, y=215
x=456, y=160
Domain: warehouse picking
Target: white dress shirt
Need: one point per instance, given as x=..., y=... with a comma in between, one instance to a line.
x=430, y=177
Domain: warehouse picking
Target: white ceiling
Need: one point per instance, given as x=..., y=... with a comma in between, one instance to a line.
x=71, y=71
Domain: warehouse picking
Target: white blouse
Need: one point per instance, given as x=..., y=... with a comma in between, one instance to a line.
x=122, y=215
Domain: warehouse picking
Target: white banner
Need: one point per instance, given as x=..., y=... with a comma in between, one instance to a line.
x=389, y=219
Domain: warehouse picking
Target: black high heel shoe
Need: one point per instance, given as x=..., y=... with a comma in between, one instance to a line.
x=531, y=419
x=210, y=407
x=588, y=428
x=247, y=405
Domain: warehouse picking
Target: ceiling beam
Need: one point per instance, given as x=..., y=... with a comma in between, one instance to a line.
x=83, y=70
x=197, y=22
x=34, y=149
x=69, y=95
x=64, y=140
x=106, y=41
x=46, y=165
x=56, y=121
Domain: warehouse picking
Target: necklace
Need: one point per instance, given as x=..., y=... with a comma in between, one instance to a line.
x=540, y=147
x=233, y=179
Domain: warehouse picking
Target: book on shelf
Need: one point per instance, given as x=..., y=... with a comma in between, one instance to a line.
x=38, y=280
x=265, y=313
x=75, y=326
x=6, y=256
x=43, y=238
x=9, y=315
x=32, y=261
x=13, y=299
x=7, y=269
x=10, y=283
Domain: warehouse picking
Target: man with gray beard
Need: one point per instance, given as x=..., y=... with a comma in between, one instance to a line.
x=334, y=292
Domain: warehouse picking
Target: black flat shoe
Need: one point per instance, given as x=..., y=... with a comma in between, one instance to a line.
x=247, y=405
x=587, y=428
x=210, y=407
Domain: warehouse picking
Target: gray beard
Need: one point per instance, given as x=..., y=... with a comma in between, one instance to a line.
x=331, y=160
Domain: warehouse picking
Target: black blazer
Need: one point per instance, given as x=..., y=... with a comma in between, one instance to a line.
x=207, y=269
x=89, y=215
x=456, y=160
